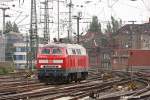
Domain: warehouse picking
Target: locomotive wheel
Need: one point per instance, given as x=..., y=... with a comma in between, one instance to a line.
x=41, y=79
x=69, y=79
x=84, y=75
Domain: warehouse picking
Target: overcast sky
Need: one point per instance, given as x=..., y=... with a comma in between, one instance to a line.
x=121, y=9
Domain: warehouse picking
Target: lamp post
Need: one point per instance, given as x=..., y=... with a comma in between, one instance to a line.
x=58, y=19
x=70, y=5
x=78, y=17
x=3, y=30
x=131, y=47
x=4, y=10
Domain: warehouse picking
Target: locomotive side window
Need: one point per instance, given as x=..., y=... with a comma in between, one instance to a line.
x=56, y=51
x=69, y=51
x=83, y=52
x=45, y=51
x=74, y=51
x=78, y=51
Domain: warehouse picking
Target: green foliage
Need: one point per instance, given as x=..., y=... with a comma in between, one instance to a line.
x=6, y=67
x=8, y=27
x=15, y=28
x=103, y=40
x=100, y=39
x=113, y=26
x=9, y=47
x=5, y=70
x=95, y=26
x=11, y=27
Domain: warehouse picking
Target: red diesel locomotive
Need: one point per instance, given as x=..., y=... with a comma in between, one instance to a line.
x=62, y=62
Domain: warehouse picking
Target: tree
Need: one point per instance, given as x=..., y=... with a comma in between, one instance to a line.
x=113, y=26
x=8, y=27
x=95, y=26
x=11, y=27
x=15, y=28
x=9, y=46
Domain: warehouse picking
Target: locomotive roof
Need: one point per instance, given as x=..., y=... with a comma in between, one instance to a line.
x=64, y=45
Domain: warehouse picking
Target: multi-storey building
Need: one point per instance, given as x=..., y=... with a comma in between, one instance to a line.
x=20, y=55
x=135, y=36
x=11, y=38
x=99, y=53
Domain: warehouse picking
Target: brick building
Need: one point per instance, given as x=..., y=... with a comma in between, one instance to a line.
x=98, y=54
x=130, y=37
x=136, y=36
x=120, y=59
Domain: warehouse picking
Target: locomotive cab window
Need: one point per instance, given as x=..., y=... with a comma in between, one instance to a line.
x=56, y=51
x=45, y=51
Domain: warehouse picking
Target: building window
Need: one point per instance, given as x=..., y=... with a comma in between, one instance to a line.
x=106, y=56
x=115, y=61
x=19, y=57
x=20, y=49
x=23, y=49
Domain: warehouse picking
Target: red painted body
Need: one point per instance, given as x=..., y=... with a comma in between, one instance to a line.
x=69, y=61
x=63, y=62
x=50, y=58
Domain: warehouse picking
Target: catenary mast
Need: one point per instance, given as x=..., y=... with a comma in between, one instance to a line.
x=33, y=35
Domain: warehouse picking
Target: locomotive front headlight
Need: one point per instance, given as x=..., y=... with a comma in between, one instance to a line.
x=57, y=61
x=43, y=61
x=42, y=66
x=59, y=66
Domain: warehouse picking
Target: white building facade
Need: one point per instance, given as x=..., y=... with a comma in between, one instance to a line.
x=20, y=55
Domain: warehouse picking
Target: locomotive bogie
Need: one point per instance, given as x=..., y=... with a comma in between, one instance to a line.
x=61, y=76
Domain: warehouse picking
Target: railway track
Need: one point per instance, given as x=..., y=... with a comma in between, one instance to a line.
x=94, y=87
x=128, y=95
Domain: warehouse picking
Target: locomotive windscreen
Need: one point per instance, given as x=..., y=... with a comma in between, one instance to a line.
x=52, y=51
x=45, y=51
x=56, y=51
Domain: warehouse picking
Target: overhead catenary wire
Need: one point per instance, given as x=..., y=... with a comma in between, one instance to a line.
x=145, y=5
